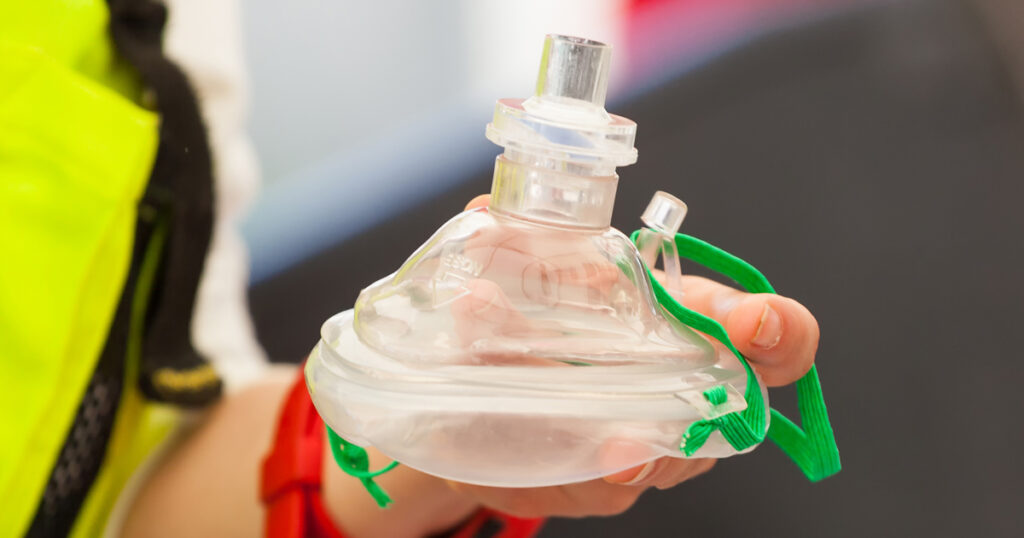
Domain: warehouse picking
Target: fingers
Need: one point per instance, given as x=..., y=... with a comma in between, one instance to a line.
x=479, y=201
x=662, y=473
x=593, y=498
x=777, y=334
x=485, y=313
x=485, y=307
x=612, y=495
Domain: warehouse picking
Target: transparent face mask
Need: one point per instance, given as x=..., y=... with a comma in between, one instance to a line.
x=522, y=344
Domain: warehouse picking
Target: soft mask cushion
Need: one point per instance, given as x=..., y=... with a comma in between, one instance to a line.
x=812, y=448
x=490, y=291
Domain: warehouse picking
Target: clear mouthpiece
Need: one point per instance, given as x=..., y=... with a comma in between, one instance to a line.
x=665, y=213
x=565, y=122
x=574, y=68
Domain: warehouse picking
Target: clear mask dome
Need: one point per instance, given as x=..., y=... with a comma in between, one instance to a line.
x=522, y=344
x=493, y=290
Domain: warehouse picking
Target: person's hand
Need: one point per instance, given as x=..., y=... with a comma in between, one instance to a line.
x=777, y=334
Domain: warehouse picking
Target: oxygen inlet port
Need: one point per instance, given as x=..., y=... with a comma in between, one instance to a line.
x=663, y=217
x=664, y=214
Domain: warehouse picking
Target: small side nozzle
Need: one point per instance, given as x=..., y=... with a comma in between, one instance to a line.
x=575, y=68
x=664, y=214
x=663, y=217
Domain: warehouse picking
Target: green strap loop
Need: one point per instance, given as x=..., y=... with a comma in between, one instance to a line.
x=354, y=461
x=716, y=395
x=814, y=451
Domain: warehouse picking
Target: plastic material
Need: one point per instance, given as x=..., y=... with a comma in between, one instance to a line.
x=565, y=119
x=662, y=218
x=522, y=344
x=291, y=483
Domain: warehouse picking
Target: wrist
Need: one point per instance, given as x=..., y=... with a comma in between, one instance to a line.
x=307, y=495
x=423, y=504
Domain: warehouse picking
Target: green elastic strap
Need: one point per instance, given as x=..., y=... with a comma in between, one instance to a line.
x=814, y=451
x=353, y=460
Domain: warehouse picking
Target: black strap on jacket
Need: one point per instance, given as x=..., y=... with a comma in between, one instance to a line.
x=182, y=181
x=180, y=192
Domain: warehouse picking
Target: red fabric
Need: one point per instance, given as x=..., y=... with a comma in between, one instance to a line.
x=290, y=485
x=290, y=482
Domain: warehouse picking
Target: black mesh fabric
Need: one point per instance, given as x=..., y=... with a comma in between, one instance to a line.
x=85, y=446
x=80, y=458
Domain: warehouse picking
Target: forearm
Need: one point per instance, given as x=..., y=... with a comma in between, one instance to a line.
x=209, y=484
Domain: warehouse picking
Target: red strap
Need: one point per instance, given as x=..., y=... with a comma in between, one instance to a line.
x=290, y=485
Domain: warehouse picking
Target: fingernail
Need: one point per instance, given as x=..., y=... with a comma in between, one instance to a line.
x=623, y=478
x=769, y=330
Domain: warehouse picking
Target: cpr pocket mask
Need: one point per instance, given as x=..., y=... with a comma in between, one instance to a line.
x=527, y=344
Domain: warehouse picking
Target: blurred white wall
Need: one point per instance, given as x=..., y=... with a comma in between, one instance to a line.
x=329, y=76
x=326, y=75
